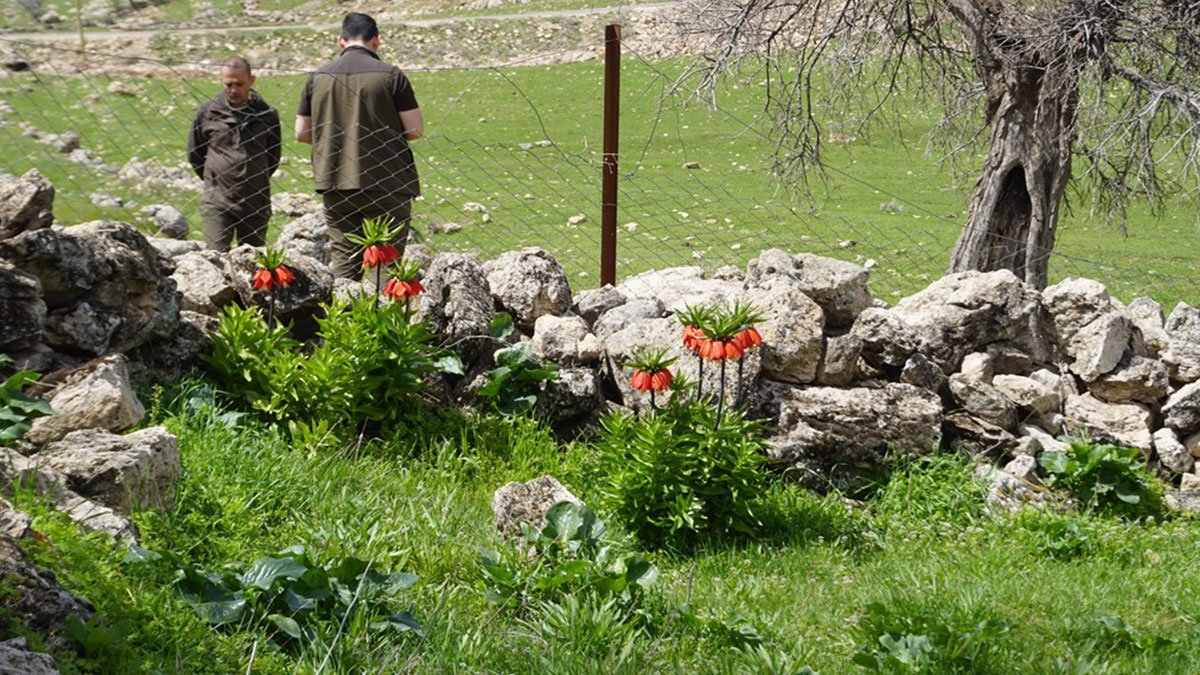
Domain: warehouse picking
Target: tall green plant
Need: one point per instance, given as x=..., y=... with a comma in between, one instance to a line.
x=1106, y=478
x=17, y=409
x=675, y=476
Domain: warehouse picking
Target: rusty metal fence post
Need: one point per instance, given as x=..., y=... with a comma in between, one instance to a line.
x=612, y=127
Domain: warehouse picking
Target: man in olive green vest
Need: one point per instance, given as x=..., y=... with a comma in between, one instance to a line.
x=359, y=113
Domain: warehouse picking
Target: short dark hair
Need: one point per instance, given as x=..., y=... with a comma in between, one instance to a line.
x=359, y=26
x=237, y=63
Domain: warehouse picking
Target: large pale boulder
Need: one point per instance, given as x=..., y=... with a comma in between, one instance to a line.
x=458, y=289
x=961, y=313
x=1089, y=326
x=1183, y=351
x=978, y=366
x=1147, y=317
x=34, y=474
x=574, y=394
x=677, y=287
x=887, y=341
x=626, y=314
x=18, y=660
x=307, y=236
x=839, y=363
x=983, y=401
x=1029, y=394
x=792, y=329
x=1171, y=452
x=1122, y=423
x=565, y=340
x=1181, y=412
x=590, y=304
x=181, y=349
x=140, y=470
x=203, y=287
x=102, y=281
x=518, y=504
x=828, y=425
x=528, y=283
x=22, y=310
x=26, y=203
x=13, y=523
x=840, y=288
x=98, y=396
x=1137, y=378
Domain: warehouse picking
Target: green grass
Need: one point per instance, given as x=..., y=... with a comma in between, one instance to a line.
x=885, y=200
x=921, y=545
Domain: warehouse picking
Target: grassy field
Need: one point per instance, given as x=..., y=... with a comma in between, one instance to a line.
x=1061, y=593
x=884, y=198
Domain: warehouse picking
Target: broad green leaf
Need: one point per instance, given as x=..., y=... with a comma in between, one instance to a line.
x=451, y=364
x=221, y=612
x=263, y=573
x=501, y=326
x=285, y=624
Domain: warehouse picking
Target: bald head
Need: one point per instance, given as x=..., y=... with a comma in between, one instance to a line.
x=236, y=81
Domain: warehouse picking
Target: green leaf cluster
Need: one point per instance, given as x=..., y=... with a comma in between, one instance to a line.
x=570, y=556
x=289, y=593
x=1106, y=478
x=512, y=386
x=672, y=477
x=903, y=641
x=17, y=409
x=368, y=364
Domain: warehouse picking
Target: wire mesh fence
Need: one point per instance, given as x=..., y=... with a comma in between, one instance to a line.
x=511, y=158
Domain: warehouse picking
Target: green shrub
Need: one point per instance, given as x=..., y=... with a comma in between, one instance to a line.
x=573, y=555
x=18, y=410
x=513, y=384
x=904, y=639
x=671, y=477
x=1106, y=478
x=289, y=594
x=367, y=366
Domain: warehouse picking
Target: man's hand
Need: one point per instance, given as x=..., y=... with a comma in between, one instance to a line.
x=414, y=126
x=304, y=129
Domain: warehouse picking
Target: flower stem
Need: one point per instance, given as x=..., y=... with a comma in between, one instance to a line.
x=700, y=378
x=271, y=311
x=652, y=406
x=378, y=274
x=738, y=399
x=720, y=397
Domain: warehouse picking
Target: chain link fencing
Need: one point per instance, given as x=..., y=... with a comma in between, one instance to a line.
x=511, y=158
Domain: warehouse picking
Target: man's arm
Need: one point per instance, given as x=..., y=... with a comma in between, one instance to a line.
x=304, y=129
x=197, y=145
x=414, y=126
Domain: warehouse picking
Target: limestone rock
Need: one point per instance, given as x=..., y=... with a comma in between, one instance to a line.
x=828, y=425
x=1045, y=439
x=1183, y=351
x=887, y=340
x=1173, y=454
x=624, y=315
x=173, y=248
x=26, y=204
x=1192, y=444
x=1010, y=492
x=201, y=281
x=1182, y=410
x=1029, y=394
x=1123, y=423
x=590, y=304
x=456, y=285
x=565, y=340
x=921, y=372
x=528, y=283
x=22, y=310
x=960, y=313
x=1009, y=359
x=517, y=504
x=575, y=393
x=840, y=288
x=839, y=364
x=978, y=366
x=983, y=401
x=792, y=331
x=35, y=475
x=966, y=433
x=168, y=220
x=36, y=597
x=98, y=396
x=13, y=523
x=140, y=470
x=18, y=660
x=1147, y=317
x=308, y=236
x=182, y=348
x=677, y=287
x=1137, y=378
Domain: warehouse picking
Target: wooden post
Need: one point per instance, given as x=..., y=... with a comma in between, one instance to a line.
x=612, y=127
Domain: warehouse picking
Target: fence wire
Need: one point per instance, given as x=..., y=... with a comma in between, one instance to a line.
x=501, y=166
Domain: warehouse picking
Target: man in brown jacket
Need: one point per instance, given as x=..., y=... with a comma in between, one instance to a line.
x=359, y=113
x=234, y=147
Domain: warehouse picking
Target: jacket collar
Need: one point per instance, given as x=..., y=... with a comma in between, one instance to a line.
x=254, y=104
x=361, y=49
